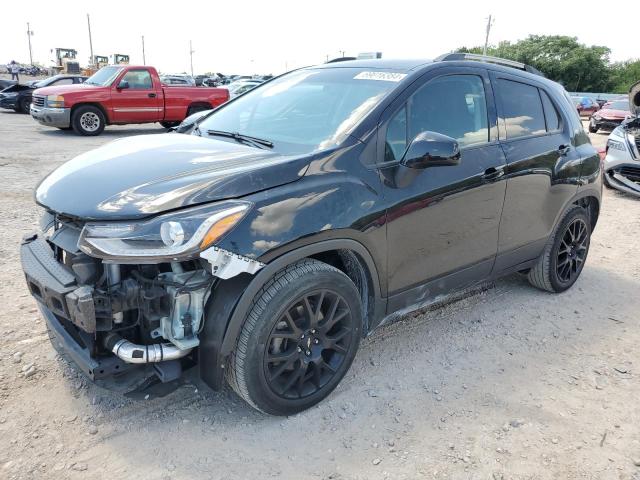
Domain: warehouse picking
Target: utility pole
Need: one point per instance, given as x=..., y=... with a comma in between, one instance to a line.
x=341, y=53
x=191, y=55
x=486, y=38
x=93, y=60
x=144, y=59
x=29, y=34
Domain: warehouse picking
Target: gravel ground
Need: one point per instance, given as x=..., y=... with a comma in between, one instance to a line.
x=510, y=383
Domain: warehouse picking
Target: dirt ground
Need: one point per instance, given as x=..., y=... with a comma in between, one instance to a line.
x=510, y=383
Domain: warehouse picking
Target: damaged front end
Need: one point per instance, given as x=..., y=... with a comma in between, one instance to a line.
x=622, y=160
x=126, y=300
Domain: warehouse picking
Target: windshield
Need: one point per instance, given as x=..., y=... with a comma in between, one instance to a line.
x=619, y=105
x=104, y=76
x=306, y=110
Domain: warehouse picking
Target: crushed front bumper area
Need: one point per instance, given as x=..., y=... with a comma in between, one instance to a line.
x=70, y=316
x=624, y=177
x=51, y=117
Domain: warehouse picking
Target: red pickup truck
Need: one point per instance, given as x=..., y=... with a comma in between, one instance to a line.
x=119, y=95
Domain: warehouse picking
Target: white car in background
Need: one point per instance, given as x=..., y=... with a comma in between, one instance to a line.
x=622, y=161
x=238, y=88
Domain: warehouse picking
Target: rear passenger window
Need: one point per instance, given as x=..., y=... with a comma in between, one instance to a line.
x=522, y=109
x=550, y=113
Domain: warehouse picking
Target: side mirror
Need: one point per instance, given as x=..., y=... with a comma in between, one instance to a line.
x=123, y=85
x=431, y=149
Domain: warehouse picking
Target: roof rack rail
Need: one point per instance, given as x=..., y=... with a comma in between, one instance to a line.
x=449, y=57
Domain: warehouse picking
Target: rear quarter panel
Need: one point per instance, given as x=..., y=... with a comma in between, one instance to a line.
x=178, y=99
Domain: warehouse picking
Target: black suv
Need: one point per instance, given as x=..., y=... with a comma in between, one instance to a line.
x=295, y=219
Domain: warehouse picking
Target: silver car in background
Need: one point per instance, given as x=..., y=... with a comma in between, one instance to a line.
x=621, y=166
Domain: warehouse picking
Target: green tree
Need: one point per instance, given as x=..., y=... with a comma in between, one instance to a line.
x=624, y=74
x=576, y=66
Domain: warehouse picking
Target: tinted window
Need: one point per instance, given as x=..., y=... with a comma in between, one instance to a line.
x=453, y=105
x=522, y=109
x=63, y=81
x=550, y=113
x=396, y=141
x=138, y=79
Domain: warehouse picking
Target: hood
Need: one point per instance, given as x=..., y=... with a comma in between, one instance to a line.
x=63, y=89
x=613, y=113
x=634, y=99
x=145, y=175
x=17, y=88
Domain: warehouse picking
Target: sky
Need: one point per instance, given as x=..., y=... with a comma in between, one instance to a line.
x=270, y=37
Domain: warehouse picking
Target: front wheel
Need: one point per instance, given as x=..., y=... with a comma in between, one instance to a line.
x=88, y=121
x=299, y=339
x=593, y=128
x=564, y=256
x=169, y=124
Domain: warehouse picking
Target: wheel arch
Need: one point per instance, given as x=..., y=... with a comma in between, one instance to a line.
x=231, y=299
x=91, y=104
x=203, y=104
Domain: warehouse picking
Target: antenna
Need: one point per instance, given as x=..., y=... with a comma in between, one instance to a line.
x=144, y=59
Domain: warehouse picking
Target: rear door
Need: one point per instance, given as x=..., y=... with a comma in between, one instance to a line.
x=543, y=167
x=140, y=102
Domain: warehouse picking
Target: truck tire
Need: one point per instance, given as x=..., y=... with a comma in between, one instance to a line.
x=564, y=256
x=169, y=124
x=298, y=340
x=88, y=120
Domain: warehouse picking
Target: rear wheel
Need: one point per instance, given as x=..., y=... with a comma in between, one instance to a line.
x=88, y=120
x=23, y=105
x=564, y=256
x=299, y=339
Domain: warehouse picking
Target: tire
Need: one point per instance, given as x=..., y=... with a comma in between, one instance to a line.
x=88, y=121
x=593, y=128
x=169, y=124
x=278, y=343
x=23, y=105
x=561, y=253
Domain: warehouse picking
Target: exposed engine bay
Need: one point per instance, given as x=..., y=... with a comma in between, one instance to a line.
x=124, y=315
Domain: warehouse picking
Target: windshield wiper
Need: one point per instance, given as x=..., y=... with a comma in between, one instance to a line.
x=239, y=137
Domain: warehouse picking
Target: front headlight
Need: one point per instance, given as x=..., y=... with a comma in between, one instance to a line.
x=55, y=101
x=10, y=94
x=175, y=236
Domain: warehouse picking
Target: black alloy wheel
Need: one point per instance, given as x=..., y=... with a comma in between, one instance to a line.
x=298, y=340
x=573, y=250
x=565, y=254
x=308, y=344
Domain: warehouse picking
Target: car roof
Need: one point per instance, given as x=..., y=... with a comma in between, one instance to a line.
x=404, y=65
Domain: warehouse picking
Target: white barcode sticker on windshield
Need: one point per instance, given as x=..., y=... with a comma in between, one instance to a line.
x=384, y=76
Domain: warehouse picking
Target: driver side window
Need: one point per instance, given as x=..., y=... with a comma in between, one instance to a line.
x=453, y=105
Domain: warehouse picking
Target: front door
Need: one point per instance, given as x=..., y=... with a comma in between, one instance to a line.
x=140, y=101
x=442, y=223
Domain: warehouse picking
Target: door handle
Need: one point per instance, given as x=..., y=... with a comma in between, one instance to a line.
x=564, y=149
x=493, y=173
x=152, y=95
